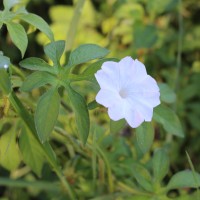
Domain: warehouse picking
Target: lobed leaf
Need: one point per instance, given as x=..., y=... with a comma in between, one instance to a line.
x=18, y=36
x=46, y=114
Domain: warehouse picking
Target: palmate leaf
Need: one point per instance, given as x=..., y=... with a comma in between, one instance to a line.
x=81, y=113
x=18, y=36
x=46, y=114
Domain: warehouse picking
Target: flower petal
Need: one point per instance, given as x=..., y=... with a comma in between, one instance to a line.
x=105, y=81
x=126, y=66
x=106, y=97
x=142, y=107
x=133, y=118
x=140, y=72
x=116, y=111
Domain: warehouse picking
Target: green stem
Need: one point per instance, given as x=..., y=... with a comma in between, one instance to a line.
x=98, y=151
x=41, y=185
x=73, y=26
x=180, y=38
x=28, y=120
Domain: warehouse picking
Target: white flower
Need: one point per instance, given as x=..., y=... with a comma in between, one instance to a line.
x=127, y=91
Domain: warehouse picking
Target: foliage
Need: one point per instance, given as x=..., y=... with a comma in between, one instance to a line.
x=56, y=142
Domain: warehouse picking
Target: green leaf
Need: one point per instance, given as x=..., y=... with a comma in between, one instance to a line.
x=18, y=36
x=9, y=3
x=92, y=105
x=8, y=147
x=145, y=136
x=169, y=120
x=31, y=151
x=81, y=113
x=85, y=53
x=38, y=64
x=94, y=67
x=160, y=164
x=54, y=51
x=46, y=114
x=39, y=23
x=37, y=79
x=167, y=95
x=5, y=83
x=4, y=61
x=184, y=179
x=116, y=126
x=142, y=176
x=145, y=36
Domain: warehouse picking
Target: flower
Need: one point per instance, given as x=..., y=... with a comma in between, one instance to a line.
x=127, y=91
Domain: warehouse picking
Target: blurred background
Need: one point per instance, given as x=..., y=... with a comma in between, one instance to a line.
x=163, y=34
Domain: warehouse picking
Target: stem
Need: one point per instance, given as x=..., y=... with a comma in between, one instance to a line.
x=41, y=185
x=180, y=37
x=73, y=26
x=97, y=150
x=28, y=120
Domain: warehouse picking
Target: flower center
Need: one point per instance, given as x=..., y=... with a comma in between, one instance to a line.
x=123, y=93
